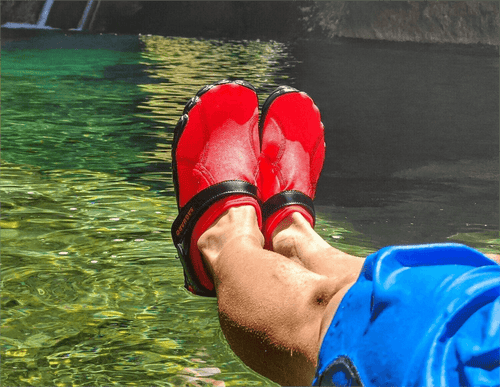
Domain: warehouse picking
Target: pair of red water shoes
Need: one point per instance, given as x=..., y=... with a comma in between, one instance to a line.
x=224, y=156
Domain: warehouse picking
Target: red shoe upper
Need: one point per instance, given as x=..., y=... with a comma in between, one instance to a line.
x=220, y=140
x=292, y=156
x=293, y=146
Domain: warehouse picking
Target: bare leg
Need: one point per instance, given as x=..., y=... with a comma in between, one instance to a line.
x=296, y=239
x=273, y=307
x=494, y=257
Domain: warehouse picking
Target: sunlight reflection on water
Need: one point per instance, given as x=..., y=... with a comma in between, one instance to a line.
x=92, y=292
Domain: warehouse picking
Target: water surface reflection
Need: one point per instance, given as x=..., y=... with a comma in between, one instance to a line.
x=412, y=137
x=92, y=293
x=180, y=67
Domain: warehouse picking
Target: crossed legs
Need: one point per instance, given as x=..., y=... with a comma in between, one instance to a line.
x=245, y=181
x=274, y=306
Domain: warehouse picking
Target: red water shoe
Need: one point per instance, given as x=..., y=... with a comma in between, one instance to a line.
x=292, y=156
x=215, y=163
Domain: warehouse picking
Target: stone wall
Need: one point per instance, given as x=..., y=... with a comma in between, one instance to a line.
x=466, y=22
x=429, y=21
x=20, y=11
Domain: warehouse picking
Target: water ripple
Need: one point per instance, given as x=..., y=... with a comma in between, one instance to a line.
x=91, y=291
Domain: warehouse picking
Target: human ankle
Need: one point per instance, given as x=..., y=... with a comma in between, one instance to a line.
x=295, y=237
x=284, y=238
x=237, y=222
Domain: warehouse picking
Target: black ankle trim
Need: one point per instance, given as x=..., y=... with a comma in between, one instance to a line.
x=287, y=198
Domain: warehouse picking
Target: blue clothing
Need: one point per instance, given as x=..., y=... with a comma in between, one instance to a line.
x=425, y=315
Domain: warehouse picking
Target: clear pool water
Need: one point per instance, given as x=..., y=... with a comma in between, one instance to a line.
x=92, y=293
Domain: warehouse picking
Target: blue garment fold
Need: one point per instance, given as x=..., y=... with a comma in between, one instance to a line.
x=422, y=315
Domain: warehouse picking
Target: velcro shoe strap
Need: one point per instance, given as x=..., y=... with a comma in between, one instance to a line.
x=287, y=198
x=183, y=225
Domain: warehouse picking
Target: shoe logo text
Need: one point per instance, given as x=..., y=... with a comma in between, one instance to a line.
x=184, y=221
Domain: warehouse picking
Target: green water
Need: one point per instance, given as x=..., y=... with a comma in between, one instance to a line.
x=92, y=292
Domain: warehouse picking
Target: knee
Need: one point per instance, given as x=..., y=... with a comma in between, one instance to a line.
x=330, y=309
x=325, y=290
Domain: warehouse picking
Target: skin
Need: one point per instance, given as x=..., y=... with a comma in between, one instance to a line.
x=276, y=306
